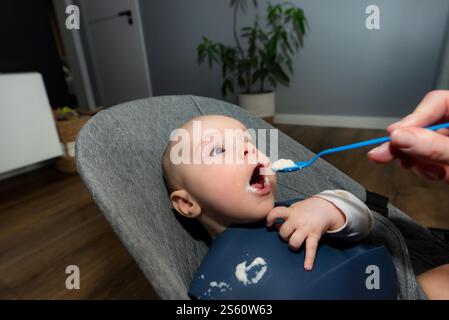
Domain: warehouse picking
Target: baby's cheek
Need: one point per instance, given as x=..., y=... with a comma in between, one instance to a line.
x=231, y=176
x=233, y=189
x=219, y=187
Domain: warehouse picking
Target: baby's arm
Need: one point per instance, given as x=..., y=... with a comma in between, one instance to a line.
x=336, y=212
x=359, y=219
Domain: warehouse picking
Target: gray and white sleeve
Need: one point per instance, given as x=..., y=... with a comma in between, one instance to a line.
x=359, y=219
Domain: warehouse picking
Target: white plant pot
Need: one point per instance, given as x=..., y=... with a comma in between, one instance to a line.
x=260, y=104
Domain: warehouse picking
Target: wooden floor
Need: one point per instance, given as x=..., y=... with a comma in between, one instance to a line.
x=48, y=221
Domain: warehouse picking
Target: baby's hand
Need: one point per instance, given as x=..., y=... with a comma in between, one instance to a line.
x=307, y=220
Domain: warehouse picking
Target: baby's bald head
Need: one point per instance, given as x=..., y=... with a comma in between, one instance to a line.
x=172, y=172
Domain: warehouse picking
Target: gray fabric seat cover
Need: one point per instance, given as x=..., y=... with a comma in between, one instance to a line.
x=119, y=154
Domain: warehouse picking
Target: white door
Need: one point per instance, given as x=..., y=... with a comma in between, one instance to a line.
x=116, y=48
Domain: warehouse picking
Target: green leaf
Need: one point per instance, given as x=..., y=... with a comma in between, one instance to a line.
x=227, y=86
x=242, y=4
x=280, y=75
x=286, y=42
x=256, y=76
x=262, y=36
x=210, y=55
x=272, y=81
x=289, y=64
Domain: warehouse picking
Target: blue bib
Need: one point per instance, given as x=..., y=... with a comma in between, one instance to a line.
x=252, y=262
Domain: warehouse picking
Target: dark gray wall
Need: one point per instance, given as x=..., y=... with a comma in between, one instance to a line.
x=28, y=45
x=344, y=69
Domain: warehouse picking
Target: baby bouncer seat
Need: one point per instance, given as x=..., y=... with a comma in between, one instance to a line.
x=119, y=153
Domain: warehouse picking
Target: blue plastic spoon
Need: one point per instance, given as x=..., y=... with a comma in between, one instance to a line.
x=303, y=164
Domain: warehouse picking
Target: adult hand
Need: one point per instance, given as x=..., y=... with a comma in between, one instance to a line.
x=424, y=151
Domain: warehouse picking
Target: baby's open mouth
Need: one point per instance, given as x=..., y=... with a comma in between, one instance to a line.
x=258, y=182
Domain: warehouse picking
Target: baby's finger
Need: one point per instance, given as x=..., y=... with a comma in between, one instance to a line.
x=286, y=230
x=296, y=240
x=311, y=247
x=275, y=213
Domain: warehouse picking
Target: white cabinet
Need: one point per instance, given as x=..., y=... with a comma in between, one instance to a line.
x=27, y=130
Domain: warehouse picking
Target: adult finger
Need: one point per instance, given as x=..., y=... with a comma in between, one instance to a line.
x=432, y=172
x=382, y=154
x=422, y=144
x=407, y=162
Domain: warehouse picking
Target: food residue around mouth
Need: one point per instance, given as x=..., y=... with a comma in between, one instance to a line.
x=258, y=182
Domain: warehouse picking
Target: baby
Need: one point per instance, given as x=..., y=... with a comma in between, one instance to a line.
x=221, y=193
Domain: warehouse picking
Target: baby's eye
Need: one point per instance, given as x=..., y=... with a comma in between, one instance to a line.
x=216, y=151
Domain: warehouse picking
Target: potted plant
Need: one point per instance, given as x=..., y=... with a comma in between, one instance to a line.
x=263, y=61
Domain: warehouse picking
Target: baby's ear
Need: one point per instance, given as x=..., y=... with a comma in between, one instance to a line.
x=184, y=203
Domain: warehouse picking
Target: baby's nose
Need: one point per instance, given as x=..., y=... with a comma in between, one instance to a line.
x=256, y=155
x=249, y=149
x=262, y=158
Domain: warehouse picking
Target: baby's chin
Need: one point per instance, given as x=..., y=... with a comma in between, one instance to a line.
x=266, y=205
x=260, y=210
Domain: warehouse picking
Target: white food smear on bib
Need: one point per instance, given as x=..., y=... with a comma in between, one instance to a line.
x=223, y=286
x=241, y=271
x=214, y=286
x=282, y=164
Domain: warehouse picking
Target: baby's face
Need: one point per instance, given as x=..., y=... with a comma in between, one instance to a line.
x=234, y=189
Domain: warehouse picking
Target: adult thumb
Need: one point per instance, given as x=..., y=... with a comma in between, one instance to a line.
x=422, y=144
